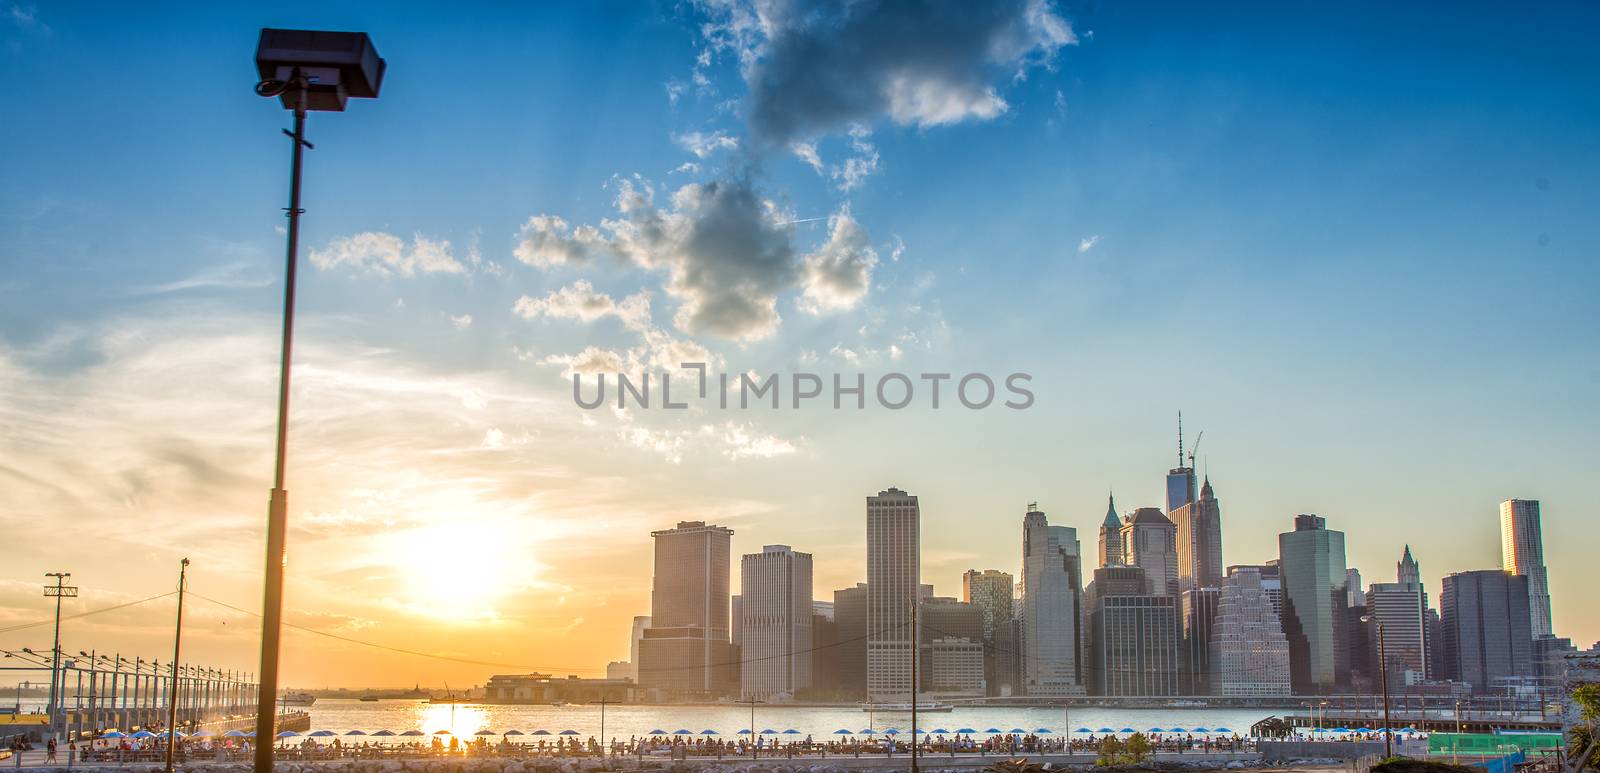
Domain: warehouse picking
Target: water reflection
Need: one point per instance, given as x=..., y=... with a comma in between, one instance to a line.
x=461, y=719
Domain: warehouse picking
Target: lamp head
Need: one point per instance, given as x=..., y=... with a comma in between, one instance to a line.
x=326, y=67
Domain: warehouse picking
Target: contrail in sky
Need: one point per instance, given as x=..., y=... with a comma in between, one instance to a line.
x=802, y=220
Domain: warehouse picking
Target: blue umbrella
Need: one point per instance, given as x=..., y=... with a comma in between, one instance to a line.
x=322, y=733
x=1363, y=730
x=1085, y=730
x=1018, y=730
x=486, y=732
x=144, y=734
x=1201, y=730
x=769, y=731
x=541, y=732
x=842, y=731
x=569, y=732
x=287, y=734
x=708, y=732
x=658, y=731
x=994, y=730
x=683, y=732
x=514, y=732
x=791, y=731
x=965, y=730
x=1042, y=731
x=939, y=731
x=113, y=734
x=920, y=731
x=892, y=731
x=412, y=733
x=1177, y=730
x=384, y=732
x=1223, y=730
x=745, y=731
x=1156, y=730
x=356, y=732
x=1105, y=730
x=868, y=731
x=1128, y=730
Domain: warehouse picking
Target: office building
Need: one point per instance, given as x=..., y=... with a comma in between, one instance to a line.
x=1199, y=539
x=635, y=635
x=894, y=583
x=1311, y=562
x=1180, y=479
x=1134, y=646
x=1249, y=652
x=775, y=647
x=991, y=592
x=1197, y=613
x=1051, y=607
x=955, y=668
x=686, y=652
x=850, y=617
x=1522, y=552
x=1150, y=542
x=1111, y=535
x=1401, y=608
x=1487, y=630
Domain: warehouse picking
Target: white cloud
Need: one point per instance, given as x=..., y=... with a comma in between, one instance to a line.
x=580, y=301
x=386, y=255
x=547, y=241
x=1088, y=243
x=839, y=273
x=461, y=321
x=703, y=144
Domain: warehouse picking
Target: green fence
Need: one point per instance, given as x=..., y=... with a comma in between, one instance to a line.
x=1487, y=744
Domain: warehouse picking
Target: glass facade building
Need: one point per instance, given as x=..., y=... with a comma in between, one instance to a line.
x=1311, y=563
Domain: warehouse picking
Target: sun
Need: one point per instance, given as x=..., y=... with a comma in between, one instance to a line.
x=456, y=570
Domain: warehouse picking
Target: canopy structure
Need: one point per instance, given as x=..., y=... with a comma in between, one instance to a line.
x=683, y=732
x=1018, y=730
x=321, y=733
x=965, y=730
x=791, y=731
x=1042, y=731
x=144, y=734
x=287, y=734
x=657, y=731
x=541, y=732
x=233, y=734
x=486, y=731
x=709, y=732
x=411, y=733
x=1085, y=730
x=113, y=734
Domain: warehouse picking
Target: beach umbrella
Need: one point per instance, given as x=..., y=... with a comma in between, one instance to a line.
x=939, y=731
x=413, y=733
x=251, y=734
x=569, y=732
x=791, y=731
x=1363, y=730
x=842, y=731
x=867, y=731
x=385, y=733
x=769, y=731
x=322, y=733
x=1176, y=730
x=144, y=734
x=966, y=730
x=513, y=732
x=287, y=734
x=541, y=732
x=1201, y=730
x=683, y=732
x=709, y=732
x=892, y=731
x=1105, y=730
x=1155, y=730
x=1084, y=730
x=202, y=733
x=1128, y=730
x=994, y=730
x=486, y=732
x=113, y=734
x=1042, y=731
x=356, y=732
x=1222, y=730
x=229, y=734
x=658, y=731
x=920, y=731
x=443, y=732
x=1018, y=730
x=745, y=731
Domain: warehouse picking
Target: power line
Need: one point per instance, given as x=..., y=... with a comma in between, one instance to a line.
x=38, y=623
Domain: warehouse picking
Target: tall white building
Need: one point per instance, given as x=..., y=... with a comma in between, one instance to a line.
x=775, y=633
x=1522, y=552
x=1052, y=582
x=1249, y=653
x=1150, y=542
x=894, y=579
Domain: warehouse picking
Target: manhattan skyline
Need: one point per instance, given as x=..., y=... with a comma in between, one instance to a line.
x=1356, y=255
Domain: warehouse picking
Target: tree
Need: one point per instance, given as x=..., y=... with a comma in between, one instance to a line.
x=1138, y=747
x=1583, y=740
x=1110, y=751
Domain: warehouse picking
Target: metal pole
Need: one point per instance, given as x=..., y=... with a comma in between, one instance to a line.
x=1383, y=666
x=55, y=708
x=916, y=644
x=177, y=642
x=278, y=506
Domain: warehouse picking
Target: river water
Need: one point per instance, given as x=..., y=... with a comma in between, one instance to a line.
x=463, y=720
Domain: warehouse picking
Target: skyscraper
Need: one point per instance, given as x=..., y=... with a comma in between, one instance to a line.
x=640, y=622
x=894, y=579
x=1199, y=530
x=1111, y=535
x=775, y=649
x=1150, y=542
x=1133, y=636
x=686, y=653
x=990, y=591
x=1522, y=552
x=1487, y=631
x=1180, y=479
x=1311, y=560
x=1051, y=607
x=1197, y=616
x=1249, y=653
x=850, y=615
x=1401, y=607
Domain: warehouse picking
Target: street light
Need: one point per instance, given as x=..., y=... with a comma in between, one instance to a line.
x=306, y=70
x=1383, y=670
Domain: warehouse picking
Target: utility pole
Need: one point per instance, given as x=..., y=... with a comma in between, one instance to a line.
x=605, y=749
x=753, y=727
x=916, y=644
x=59, y=591
x=1383, y=668
x=177, y=642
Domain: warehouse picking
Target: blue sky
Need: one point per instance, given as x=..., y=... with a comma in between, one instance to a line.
x=1353, y=244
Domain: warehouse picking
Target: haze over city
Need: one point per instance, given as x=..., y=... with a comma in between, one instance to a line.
x=1353, y=246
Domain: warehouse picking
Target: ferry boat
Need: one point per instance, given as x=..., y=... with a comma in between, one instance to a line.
x=369, y=699
x=298, y=699
x=922, y=708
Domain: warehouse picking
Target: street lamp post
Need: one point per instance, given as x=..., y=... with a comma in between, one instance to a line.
x=177, y=641
x=59, y=591
x=307, y=70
